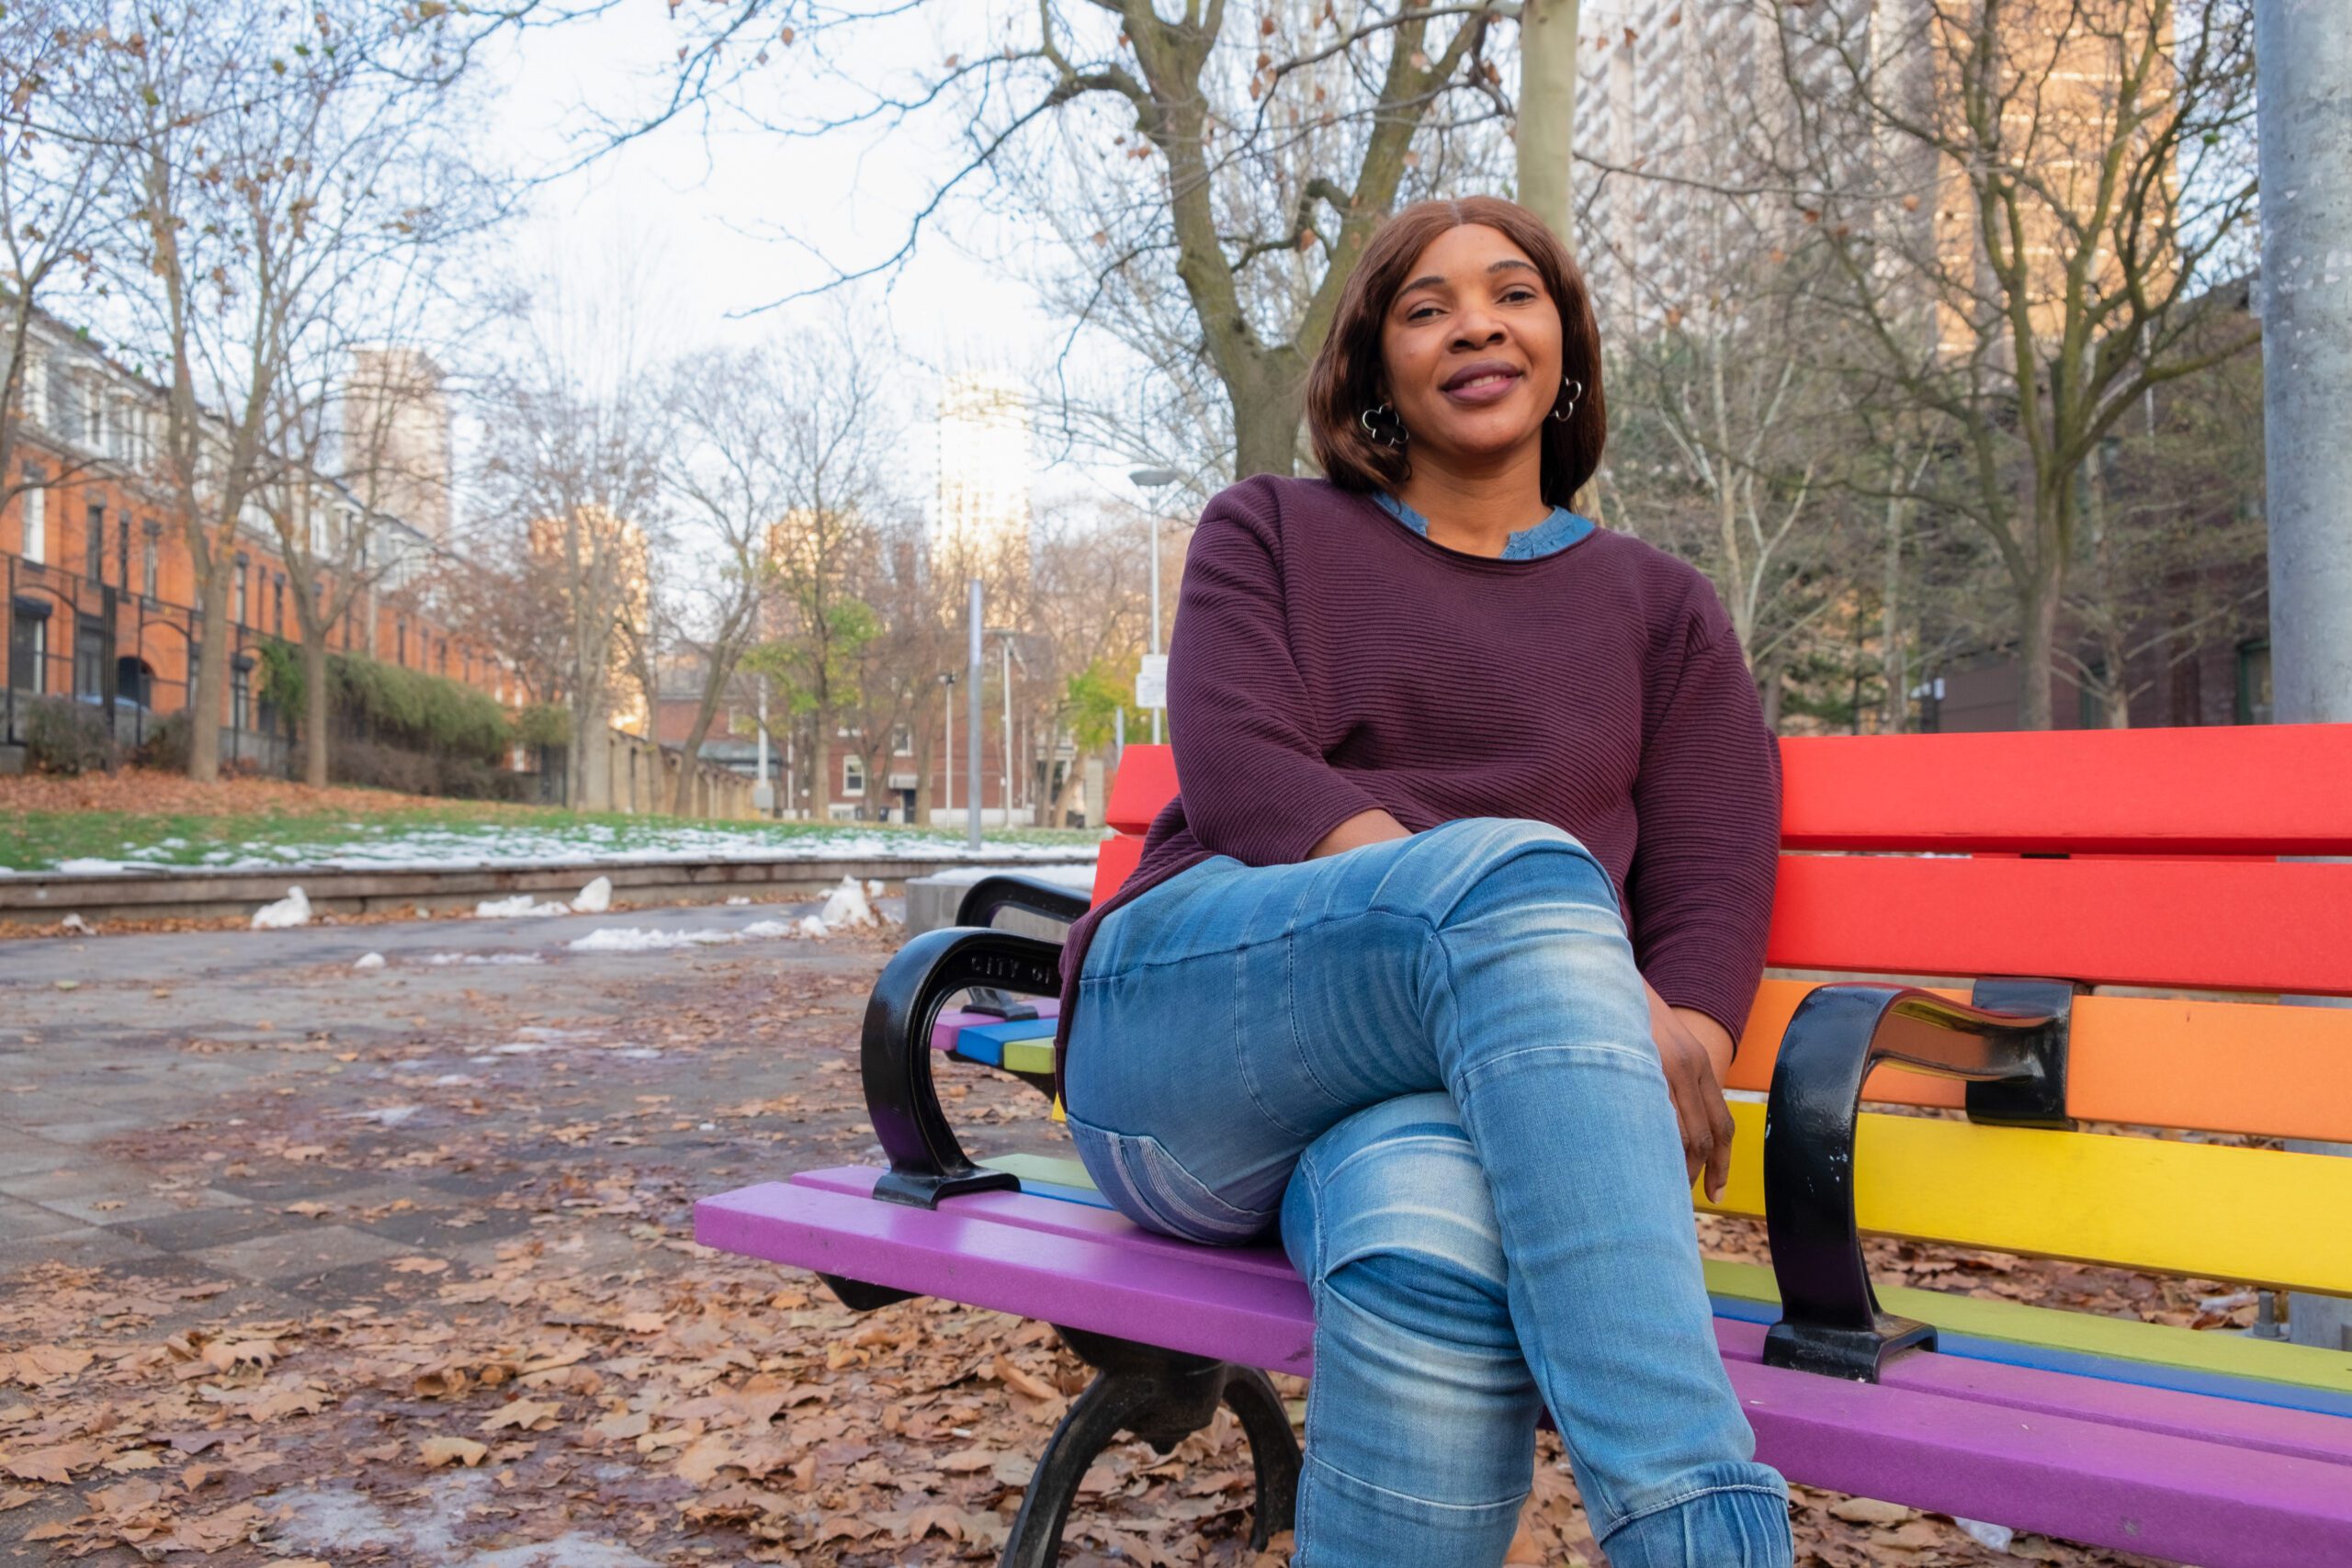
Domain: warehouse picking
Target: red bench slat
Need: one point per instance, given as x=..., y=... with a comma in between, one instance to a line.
x=1145, y=781
x=2255, y=789
x=2221, y=925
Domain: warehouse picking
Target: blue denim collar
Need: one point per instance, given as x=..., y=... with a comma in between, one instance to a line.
x=1552, y=536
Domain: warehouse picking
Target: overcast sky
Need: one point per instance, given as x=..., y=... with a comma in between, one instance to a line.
x=714, y=211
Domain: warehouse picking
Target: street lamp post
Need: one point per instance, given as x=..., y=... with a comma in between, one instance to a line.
x=972, y=735
x=1008, y=655
x=1155, y=480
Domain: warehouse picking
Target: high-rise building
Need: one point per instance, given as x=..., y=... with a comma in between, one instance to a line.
x=1685, y=120
x=980, y=526
x=396, y=436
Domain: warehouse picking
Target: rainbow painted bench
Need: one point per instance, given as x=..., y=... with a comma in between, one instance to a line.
x=2109, y=1084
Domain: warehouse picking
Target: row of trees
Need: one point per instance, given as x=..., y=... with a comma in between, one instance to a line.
x=743, y=515
x=1921, y=315
x=239, y=196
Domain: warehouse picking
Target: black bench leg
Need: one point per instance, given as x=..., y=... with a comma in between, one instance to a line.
x=1161, y=1396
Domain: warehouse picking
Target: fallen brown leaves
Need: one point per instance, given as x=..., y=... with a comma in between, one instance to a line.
x=593, y=1370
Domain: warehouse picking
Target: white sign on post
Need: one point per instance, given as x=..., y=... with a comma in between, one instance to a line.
x=1151, y=681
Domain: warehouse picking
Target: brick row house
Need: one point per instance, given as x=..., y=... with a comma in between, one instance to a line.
x=98, y=596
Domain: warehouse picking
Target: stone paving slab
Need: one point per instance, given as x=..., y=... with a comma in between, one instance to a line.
x=279, y=1256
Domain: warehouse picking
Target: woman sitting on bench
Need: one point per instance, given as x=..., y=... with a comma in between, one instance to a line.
x=1437, y=962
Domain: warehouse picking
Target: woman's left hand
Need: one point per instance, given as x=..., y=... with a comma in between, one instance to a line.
x=1692, y=1081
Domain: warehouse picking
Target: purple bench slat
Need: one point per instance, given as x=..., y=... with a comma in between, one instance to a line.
x=1059, y=1218
x=2299, y=1433
x=1933, y=1438
x=952, y=1251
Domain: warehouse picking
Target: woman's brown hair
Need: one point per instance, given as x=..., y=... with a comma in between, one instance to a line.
x=1350, y=376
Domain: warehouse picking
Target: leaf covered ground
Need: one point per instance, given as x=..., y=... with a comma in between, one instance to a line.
x=298, y=1266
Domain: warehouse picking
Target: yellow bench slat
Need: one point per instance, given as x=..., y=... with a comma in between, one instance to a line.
x=2201, y=1209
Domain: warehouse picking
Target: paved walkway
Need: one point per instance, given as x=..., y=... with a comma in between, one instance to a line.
x=242, y=1128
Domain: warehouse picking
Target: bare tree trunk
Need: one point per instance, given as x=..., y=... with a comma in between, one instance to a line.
x=211, y=679
x=1894, y=671
x=2038, y=648
x=1771, y=686
x=315, y=704
x=1547, y=107
x=1266, y=415
x=714, y=680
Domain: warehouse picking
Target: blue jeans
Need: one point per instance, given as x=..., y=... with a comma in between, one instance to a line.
x=1429, y=1060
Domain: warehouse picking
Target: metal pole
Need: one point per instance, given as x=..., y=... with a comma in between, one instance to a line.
x=972, y=734
x=1007, y=791
x=949, y=681
x=2303, y=124
x=763, y=793
x=1155, y=611
x=1118, y=734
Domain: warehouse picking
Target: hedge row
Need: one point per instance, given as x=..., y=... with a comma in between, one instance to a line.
x=409, y=708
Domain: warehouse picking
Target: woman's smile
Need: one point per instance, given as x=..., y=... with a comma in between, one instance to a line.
x=1482, y=381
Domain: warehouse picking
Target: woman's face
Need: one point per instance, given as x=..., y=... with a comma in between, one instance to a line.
x=1472, y=348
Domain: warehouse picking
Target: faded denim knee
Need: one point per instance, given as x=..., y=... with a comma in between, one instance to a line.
x=1421, y=1401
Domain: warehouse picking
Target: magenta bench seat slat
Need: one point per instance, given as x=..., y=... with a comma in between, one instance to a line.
x=2115, y=1465
x=2300, y=1433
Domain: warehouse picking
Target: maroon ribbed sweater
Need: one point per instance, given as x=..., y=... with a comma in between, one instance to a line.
x=1328, y=661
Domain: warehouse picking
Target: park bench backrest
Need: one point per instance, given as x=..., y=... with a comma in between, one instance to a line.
x=2116, y=861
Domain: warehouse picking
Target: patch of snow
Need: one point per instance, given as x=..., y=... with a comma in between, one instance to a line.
x=457, y=1080
x=1997, y=1537
x=77, y=925
x=521, y=904
x=639, y=1054
x=387, y=1116
x=86, y=867
x=294, y=909
x=811, y=926
x=637, y=938
x=848, y=906
x=369, y=961
x=596, y=898
x=518, y=1048
x=737, y=902
x=772, y=928
x=498, y=958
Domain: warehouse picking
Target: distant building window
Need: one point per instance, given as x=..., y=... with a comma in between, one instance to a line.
x=399, y=640
x=28, y=644
x=241, y=692
x=122, y=552
x=852, y=776
x=902, y=741
x=2254, y=682
x=96, y=563
x=148, y=563
x=237, y=590
x=35, y=514
x=278, y=603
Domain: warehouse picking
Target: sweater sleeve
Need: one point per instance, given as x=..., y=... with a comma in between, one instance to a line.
x=1252, y=778
x=1707, y=801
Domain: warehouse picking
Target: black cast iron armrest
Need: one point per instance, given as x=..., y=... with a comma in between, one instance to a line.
x=2009, y=1043
x=1007, y=890
x=894, y=1057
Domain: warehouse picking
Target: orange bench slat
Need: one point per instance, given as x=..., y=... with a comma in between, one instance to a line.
x=2210, y=1066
